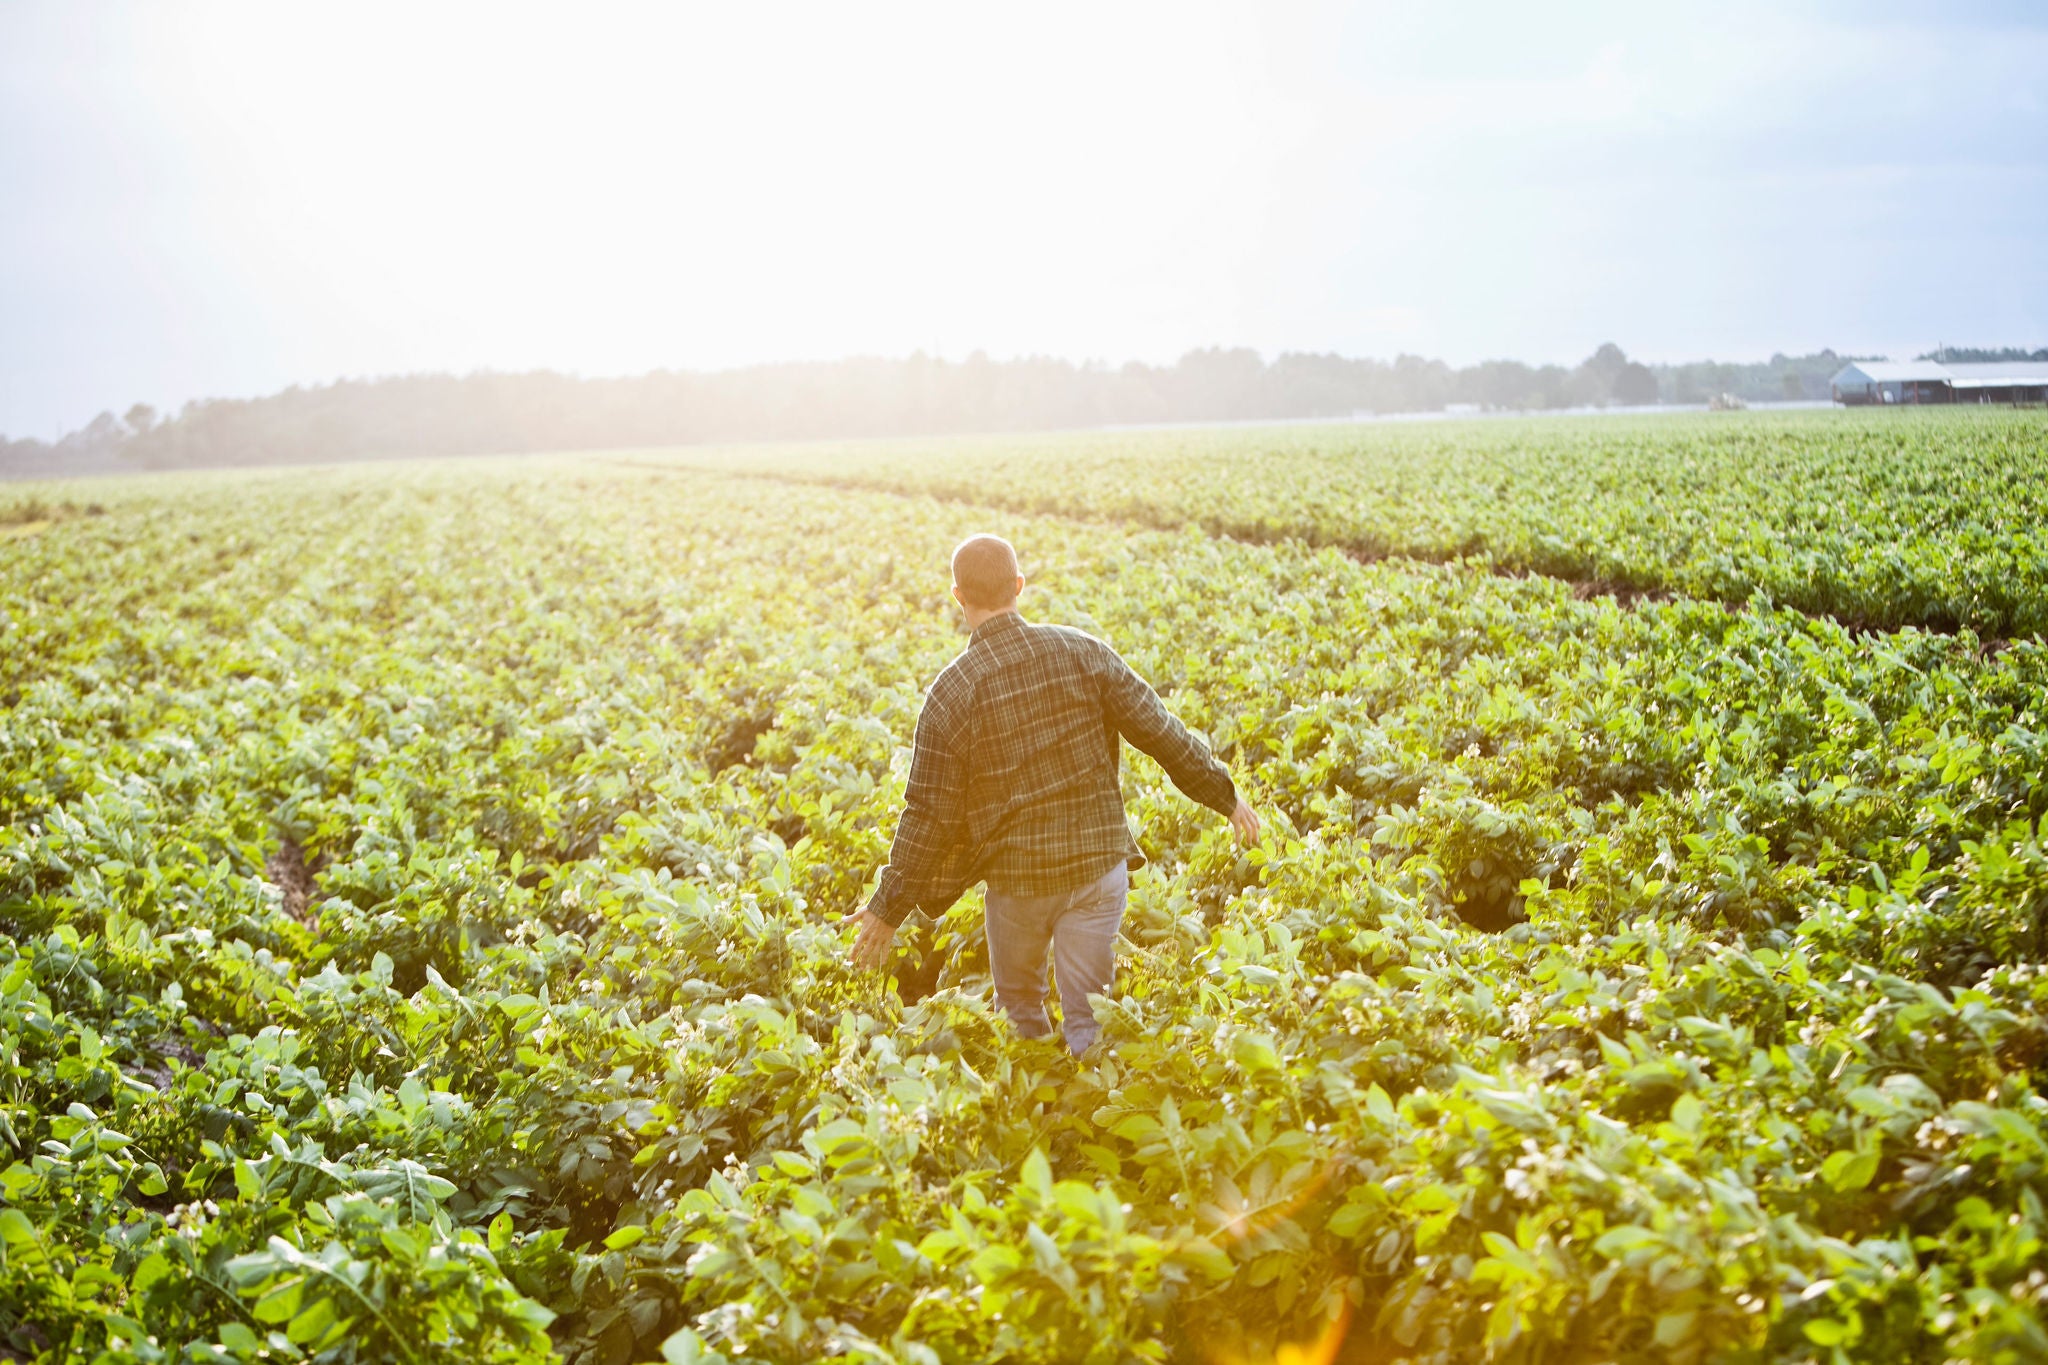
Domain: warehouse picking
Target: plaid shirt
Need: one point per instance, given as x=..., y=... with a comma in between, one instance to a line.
x=1014, y=768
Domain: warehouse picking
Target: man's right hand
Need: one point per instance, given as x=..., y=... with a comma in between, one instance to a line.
x=871, y=944
x=1246, y=822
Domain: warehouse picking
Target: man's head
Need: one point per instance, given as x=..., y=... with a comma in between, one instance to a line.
x=985, y=577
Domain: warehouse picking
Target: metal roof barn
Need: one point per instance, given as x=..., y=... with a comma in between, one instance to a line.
x=1879, y=382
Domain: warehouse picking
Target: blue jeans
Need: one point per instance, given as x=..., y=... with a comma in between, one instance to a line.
x=1081, y=928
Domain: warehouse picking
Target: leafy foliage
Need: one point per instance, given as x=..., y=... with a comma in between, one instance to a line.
x=1660, y=981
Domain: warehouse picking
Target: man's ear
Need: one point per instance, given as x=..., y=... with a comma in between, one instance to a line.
x=957, y=597
x=1020, y=585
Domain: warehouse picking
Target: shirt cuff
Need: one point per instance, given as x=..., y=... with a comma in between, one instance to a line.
x=888, y=906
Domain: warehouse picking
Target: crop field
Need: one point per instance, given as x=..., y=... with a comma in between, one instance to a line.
x=422, y=892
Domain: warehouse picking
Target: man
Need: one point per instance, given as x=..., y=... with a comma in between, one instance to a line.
x=1013, y=778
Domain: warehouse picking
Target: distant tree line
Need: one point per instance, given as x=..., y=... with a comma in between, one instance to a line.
x=433, y=414
x=1981, y=355
x=95, y=448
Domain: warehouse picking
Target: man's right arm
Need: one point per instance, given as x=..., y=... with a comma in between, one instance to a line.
x=1143, y=719
x=925, y=870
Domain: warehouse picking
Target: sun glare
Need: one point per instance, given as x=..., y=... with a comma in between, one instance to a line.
x=710, y=185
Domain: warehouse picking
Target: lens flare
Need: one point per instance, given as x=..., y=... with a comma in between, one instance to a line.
x=1235, y=1218
x=1321, y=1349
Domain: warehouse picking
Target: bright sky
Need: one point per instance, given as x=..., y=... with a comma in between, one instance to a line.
x=207, y=199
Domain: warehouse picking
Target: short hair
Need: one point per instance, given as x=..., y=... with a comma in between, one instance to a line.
x=985, y=570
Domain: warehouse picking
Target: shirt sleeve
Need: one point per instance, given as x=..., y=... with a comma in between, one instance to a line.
x=927, y=866
x=1143, y=719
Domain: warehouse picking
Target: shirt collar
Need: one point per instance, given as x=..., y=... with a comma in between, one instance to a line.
x=995, y=625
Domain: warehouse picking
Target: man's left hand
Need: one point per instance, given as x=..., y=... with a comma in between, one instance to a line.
x=1245, y=821
x=871, y=944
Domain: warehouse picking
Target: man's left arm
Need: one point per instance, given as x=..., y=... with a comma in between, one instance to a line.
x=923, y=868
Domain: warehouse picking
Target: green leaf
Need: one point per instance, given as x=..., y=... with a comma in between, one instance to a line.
x=238, y=1338
x=411, y=1187
x=995, y=1263
x=830, y=1137
x=312, y=1322
x=625, y=1237
x=1848, y=1171
x=1138, y=1128
x=1620, y=1241
x=154, y=1267
x=685, y=1347
x=935, y=1244
x=1673, y=1328
x=1514, y=1109
x=1378, y=1105
x=1037, y=1175
x=790, y=1163
x=1349, y=1220
x=1826, y=1331
x=281, y=1302
x=1256, y=1053
x=15, y=1227
x=1044, y=1250
x=518, y=1005
x=1205, y=1257
x=1506, y=1251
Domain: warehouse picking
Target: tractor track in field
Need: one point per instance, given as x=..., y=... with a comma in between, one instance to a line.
x=1626, y=596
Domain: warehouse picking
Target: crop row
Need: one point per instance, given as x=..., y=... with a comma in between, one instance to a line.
x=1878, y=519
x=421, y=892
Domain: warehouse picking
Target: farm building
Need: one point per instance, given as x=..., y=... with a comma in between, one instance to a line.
x=1925, y=381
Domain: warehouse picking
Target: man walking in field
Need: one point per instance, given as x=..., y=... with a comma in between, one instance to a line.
x=1014, y=779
